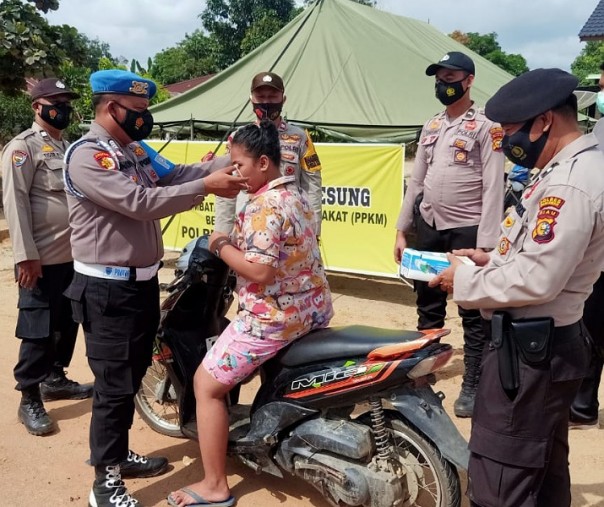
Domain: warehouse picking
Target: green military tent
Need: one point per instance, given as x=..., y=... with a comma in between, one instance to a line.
x=351, y=71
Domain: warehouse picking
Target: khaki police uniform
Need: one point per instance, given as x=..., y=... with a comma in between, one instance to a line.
x=549, y=254
x=298, y=157
x=35, y=207
x=459, y=172
x=115, y=202
x=585, y=406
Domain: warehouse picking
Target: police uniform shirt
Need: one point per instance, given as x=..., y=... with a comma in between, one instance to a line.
x=35, y=204
x=459, y=168
x=551, y=248
x=298, y=157
x=115, y=200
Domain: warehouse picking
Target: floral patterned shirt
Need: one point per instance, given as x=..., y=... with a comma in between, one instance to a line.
x=276, y=228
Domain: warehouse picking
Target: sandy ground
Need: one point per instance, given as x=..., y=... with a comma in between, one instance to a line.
x=51, y=470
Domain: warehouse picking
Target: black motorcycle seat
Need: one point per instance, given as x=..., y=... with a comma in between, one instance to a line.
x=342, y=342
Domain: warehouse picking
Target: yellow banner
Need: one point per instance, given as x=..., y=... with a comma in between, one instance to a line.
x=362, y=195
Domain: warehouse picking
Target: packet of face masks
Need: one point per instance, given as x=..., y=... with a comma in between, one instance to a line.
x=423, y=266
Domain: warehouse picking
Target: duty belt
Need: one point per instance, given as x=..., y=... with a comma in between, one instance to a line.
x=116, y=272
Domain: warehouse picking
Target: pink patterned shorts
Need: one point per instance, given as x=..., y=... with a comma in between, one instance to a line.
x=236, y=354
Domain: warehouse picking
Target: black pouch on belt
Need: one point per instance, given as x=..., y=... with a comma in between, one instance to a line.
x=533, y=339
x=507, y=356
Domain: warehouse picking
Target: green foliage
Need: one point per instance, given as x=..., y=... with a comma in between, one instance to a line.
x=486, y=45
x=588, y=61
x=229, y=21
x=194, y=56
x=15, y=115
x=27, y=45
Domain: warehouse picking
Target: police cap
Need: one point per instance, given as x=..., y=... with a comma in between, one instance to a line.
x=50, y=87
x=530, y=94
x=453, y=60
x=268, y=79
x=122, y=82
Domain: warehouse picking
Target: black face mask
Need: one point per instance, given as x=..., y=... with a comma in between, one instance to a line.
x=519, y=148
x=267, y=111
x=137, y=125
x=57, y=115
x=449, y=93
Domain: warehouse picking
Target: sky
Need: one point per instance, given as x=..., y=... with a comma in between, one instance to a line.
x=545, y=32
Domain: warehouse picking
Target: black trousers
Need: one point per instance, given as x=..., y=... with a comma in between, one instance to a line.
x=585, y=405
x=45, y=326
x=432, y=302
x=519, y=444
x=120, y=321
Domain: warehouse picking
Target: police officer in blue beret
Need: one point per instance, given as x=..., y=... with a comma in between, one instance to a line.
x=116, y=196
x=532, y=288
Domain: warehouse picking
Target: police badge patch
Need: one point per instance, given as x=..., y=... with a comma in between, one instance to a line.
x=19, y=158
x=104, y=160
x=546, y=219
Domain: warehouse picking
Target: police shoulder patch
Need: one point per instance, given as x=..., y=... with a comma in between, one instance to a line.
x=549, y=209
x=19, y=158
x=105, y=160
x=496, y=138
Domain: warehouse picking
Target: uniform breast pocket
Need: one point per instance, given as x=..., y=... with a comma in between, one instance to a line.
x=462, y=150
x=53, y=175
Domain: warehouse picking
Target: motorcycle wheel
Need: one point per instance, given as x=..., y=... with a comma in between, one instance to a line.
x=156, y=401
x=430, y=480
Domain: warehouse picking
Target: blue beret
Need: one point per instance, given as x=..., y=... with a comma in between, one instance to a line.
x=121, y=82
x=530, y=94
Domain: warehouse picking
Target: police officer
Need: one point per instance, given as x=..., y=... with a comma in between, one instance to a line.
x=550, y=253
x=298, y=155
x=585, y=406
x=35, y=207
x=116, y=198
x=457, y=191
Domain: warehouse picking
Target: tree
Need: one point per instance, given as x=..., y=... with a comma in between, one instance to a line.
x=15, y=115
x=230, y=22
x=194, y=56
x=27, y=45
x=588, y=62
x=486, y=45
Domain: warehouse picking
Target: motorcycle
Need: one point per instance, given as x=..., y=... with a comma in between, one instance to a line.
x=350, y=409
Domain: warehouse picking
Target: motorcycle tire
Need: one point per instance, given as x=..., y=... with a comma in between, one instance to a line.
x=157, y=402
x=430, y=480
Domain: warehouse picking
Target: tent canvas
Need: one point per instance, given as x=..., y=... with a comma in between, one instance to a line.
x=351, y=71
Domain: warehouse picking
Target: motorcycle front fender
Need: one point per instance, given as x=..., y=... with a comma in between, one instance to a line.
x=424, y=409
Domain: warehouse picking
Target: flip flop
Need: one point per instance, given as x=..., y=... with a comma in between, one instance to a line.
x=200, y=501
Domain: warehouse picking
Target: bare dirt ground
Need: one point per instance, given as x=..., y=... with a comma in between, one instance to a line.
x=51, y=470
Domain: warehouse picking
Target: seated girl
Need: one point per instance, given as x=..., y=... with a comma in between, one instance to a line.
x=283, y=294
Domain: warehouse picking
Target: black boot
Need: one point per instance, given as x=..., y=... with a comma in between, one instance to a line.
x=142, y=466
x=33, y=414
x=464, y=405
x=109, y=490
x=58, y=387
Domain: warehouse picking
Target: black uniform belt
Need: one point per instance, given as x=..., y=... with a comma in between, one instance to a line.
x=561, y=334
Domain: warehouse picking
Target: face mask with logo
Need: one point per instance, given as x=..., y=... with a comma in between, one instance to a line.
x=265, y=111
x=57, y=115
x=449, y=93
x=137, y=125
x=519, y=148
x=600, y=101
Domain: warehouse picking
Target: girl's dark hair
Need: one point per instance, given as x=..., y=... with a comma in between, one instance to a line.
x=262, y=139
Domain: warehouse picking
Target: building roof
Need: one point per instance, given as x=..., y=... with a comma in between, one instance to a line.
x=184, y=86
x=593, y=29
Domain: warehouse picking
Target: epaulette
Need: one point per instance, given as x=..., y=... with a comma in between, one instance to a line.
x=25, y=134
